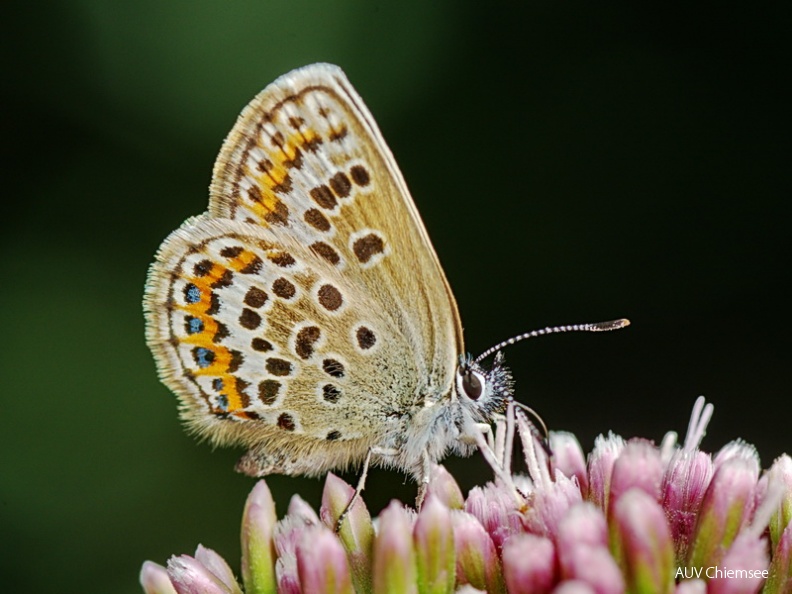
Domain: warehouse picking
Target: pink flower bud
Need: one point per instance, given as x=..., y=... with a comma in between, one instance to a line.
x=476, y=556
x=322, y=563
x=189, y=576
x=258, y=549
x=154, y=579
x=573, y=587
x=695, y=586
x=394, y=568
x=495, y=509
x=685, y=481
x=582, y=550
x=600, y=468
x=286, y=535
x=529, y=564
x=357, y=531
x=743, y=569
x=779, y=579
x=638, y=466
x=726, y=508
x=218, y=566
x=642, y=543
x=551, y=504
x=737, y=449
x=593, y=566
x=443, y=486
x=568, y=458
x=433, y=535
x=781, y=473
x=299, y=508
x=584, y=524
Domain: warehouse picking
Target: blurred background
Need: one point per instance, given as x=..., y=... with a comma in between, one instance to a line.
x=572, y=161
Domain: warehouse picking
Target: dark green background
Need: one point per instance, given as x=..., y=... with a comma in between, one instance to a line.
x=573, y=161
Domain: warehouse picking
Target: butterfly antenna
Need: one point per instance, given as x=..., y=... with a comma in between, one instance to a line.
x=597, y=327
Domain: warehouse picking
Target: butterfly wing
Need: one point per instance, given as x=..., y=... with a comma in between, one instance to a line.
x=307, y=159
x=306, y=313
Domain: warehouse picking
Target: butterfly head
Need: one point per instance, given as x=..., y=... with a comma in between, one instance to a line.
x=483, y=392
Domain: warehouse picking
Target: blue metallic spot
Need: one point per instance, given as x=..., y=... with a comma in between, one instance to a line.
x=192, y=294
x=194, y=325
x=217, y=384
x=222, y=402
x=203, y=357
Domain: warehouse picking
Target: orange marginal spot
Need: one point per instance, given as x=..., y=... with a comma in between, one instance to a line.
x=278, y=173
x=276, y=178
x=222, y=355
x=205, y=337
x=235, y=401
x=204, y=284
x=338, y=134
x=220, y=363
x=198, y=308
x=213, y=275
x=219, y=369
x=243, y=260
x=268, y=202
x=308, y=137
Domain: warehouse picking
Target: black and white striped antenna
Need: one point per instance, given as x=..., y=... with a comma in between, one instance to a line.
x=597, y=327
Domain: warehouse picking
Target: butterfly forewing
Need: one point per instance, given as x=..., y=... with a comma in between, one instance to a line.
x=307, y=159
x=307, y=307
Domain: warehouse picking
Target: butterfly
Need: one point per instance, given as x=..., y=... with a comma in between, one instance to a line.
x=305, y=315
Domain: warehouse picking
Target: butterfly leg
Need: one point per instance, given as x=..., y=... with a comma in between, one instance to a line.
x=361, y=484
x=486, y=430
x=491, y=457
x=426, y=475
x=500, y=440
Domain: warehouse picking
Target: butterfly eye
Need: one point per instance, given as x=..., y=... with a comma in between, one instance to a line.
x=472, y=384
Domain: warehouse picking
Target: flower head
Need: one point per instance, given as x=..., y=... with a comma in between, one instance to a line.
x=634, y=518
